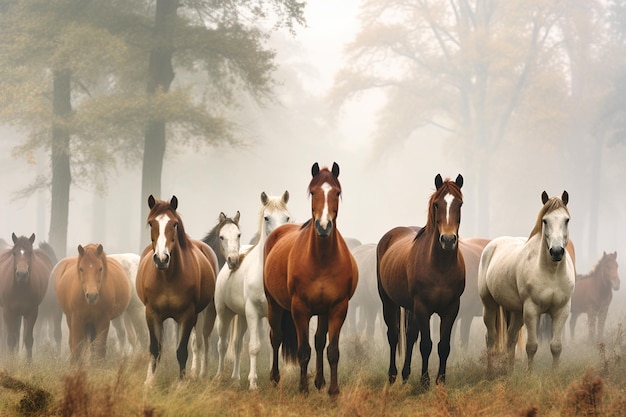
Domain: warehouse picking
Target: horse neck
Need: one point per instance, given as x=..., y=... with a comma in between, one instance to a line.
x=323, y=246
x=437, y=253
x=213, y=241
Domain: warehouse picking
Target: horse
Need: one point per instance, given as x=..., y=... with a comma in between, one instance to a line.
x=50, y=318
x=92, y=289
x=175, y=279
x=471, y=304
x=528, y=277
x=24, y=273
x=239, y=291
x=593, y=294
x=365, y=305
x=422, y=271
x=309, y=271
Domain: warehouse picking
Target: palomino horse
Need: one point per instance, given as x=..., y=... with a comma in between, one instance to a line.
x=175, y=279
x=92, y=289
x=24, y=273
x=422, y=271
x=529, y=277
x=239, y=291
x=309, y=271
x=593, y=294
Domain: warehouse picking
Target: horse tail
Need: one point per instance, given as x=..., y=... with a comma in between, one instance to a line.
x=290, y=338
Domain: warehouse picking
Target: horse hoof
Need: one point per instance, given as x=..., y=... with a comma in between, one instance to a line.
x=392, y=379
x=319, y=384
x=333, y=391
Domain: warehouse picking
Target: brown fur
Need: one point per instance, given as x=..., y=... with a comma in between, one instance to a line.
x=74, y=280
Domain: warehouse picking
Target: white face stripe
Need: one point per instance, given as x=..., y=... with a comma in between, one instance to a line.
x=326, y=187
x=160, y=247
x=449, y=198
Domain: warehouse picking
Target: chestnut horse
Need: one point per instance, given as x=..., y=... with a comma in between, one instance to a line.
x=175, y=279
x=309, y=271
x=92, y=289
x=593, y=294
x=24, y=273
x=422, y=271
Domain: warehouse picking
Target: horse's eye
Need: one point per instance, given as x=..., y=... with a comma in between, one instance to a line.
x=267, y=219
x=566, y=221
x=221, y=237
x=544, y=221
x=239, y=236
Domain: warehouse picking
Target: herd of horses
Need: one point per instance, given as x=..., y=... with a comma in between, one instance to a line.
x=292, y=272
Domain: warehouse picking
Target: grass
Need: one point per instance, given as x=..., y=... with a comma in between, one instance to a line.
x=591, y=381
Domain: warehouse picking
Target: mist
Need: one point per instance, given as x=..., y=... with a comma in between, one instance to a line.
x=380, y=190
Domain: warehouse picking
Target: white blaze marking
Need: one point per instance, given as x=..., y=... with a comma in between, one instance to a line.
x=449, y=198
x=22, y=252
x=326, y=187
x=160, y=248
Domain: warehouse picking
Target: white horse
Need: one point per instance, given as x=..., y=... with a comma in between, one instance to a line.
x=240, y=291
x=529, y=277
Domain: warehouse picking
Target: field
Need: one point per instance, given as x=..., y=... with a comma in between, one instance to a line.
x=590, y=382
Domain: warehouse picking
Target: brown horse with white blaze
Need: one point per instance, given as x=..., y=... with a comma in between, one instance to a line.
x=309, y=271
x=175, y=279
x=92, y=289
x=422, y=271
x=24, y=273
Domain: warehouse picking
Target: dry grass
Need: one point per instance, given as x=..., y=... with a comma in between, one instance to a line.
x=590, y=382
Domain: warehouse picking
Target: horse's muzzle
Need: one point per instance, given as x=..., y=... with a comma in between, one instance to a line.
x=92, y=297
x=557, y=253
x=448, y=242
x=233, y=262
x=161, y=263
x=321, y=231
x=21, y=276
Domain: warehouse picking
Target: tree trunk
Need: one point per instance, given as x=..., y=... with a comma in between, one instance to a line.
x=160, y=77
x=60, y=155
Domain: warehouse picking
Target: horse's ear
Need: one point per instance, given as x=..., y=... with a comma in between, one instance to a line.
x=14, y=237
x=438, y=181
x=99, y=249
x=174, y=203
x=81, y=250
x=565, y=197
x=32, y=238
x=151, y=201
x=544, y=198
x=335, y=170
x=222, y=217
x=236, y=218
x=315, y=169
x=459, y=180
x=264, y=198
x=285, y=196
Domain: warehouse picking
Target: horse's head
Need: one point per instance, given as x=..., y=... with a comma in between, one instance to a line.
x=445, y=211
x=274, y=212
x=92, y=269
x=166, y=230
x=229, y=236
x=325, y=191
x=22, y=256
x=608, y=263
x=553, y=221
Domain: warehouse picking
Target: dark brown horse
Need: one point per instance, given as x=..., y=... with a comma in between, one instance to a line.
x=175, y=279
x=593, y=294
x=309, y=271
x=423, y=272
x=92, y=289
x=24, y=273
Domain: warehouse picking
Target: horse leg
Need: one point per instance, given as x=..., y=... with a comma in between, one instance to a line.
x=592, y=318
x=335, y=321
x=391, y=315
x=210, y=316
x=301, y=319
x=241, y=325
x=102, y=332
x=29, y=326
x=443, y=348
x=155, y=332
x=225, y=317
x=464, y=324
x=531, y=318
x=320, y=344
x=572, y=326
x=120, y=331
x=187, y=321
x=12, y=329
x=602, y=321
x=254, y=345
x=558, y=323
x=411, y=337
x=275, y=318
x=426, y=345
x=490, y=315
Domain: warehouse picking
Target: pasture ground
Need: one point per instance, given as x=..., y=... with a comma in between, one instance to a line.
x=590, y=382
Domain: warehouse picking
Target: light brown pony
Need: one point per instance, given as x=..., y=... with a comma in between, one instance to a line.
x=92, y=289
x=593, y=294
x=24, y=273
x=422, y=271
x=175, y=279
x=309, y=271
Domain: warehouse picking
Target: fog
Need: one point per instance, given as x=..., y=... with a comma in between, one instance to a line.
x=380, y=191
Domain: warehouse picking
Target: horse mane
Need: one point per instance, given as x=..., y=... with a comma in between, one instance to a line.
x=325, y=175
x=163, y=207
x=306, y=223
x=553, y=203
x=448, y=187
